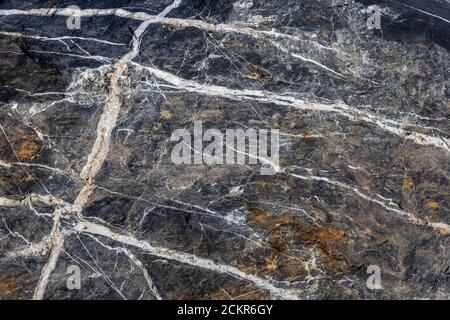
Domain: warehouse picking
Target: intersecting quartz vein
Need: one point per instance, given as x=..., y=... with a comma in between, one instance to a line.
x=177, y=22
x=55, y=241
x=151, y=285
x=184, y=23
x=185, y=258
x=33, y=198
x=222, y=27
x=439, y=226
x=109, y=117
x=44, y=167
x=33, y=249
x=99, y=151
x=202, y=212
x=73, y=55
x=57, y=236
x=305, y=59
x=390, y=125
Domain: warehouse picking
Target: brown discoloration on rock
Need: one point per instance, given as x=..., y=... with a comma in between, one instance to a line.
x=328, y=240
x=306, y=136
x=433, y=205
x=12, y=288
x=165, y=114
x=261, y=186
x=444, y=232
x=408, y=183
x=210, y=114
x=28, y=148
x=17, y=143
x=254, y=73
x=286, y=228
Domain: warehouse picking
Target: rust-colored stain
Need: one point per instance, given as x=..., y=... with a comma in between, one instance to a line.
x=11, y=288
x=261, y=186
x=408, y=183
x=272, y=264
x=433, y=205
x=28, y=148
x=165, y=114
x=306, y=136
x=285, y=228
x=328, y=239
x=254, y=73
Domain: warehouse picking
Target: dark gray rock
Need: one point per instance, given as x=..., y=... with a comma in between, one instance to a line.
x=87, y=179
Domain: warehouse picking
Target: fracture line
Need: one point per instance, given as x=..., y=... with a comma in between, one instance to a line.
x=57, y=237
x=176, y=22
x=111, y=112
x=96, y=58
x=136, y=261
x=9, y=165
x=222, y=27
x=439, y=226
x=33, y=250
x=110, y=115
x=389, y=125
x=185, y=258
x=29, y=36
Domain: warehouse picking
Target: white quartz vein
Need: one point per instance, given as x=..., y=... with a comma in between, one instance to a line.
x=183, y=23
x=109, y=119
x=60, y=39
x=33, y=249
x=99, y=151
x=439, y=226
x=425, y=12
x=57, y=241
x=9, y=165
x=33, y=198
x=151, y=285
x=185, y=258
x=390, y=125
x=222, y=27
x=96, y=58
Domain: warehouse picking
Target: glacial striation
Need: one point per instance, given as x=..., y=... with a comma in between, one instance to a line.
x=356, y=200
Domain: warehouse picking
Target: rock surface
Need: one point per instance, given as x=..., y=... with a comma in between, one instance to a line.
x=87, y=180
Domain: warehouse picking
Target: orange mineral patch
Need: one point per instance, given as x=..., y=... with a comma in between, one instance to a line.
x=272, y=264
x=306, y=136
x=253, y=73
x=165, y=114
x=433, y=205
x=286, y=228
x=408, y=183
x=12, y=288
x=328, y=239
x=444, y=232
x=28, y=149
x=261, y=186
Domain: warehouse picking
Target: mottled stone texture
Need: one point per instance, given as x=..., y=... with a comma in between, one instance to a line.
x=86, y=176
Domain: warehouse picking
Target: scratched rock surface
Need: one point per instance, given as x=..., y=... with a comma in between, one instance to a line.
x=86, y=177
